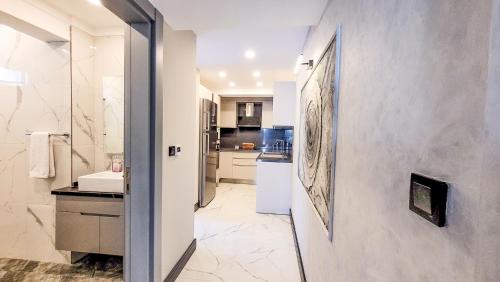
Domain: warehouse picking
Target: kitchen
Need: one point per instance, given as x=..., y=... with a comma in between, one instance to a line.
x=248, y=140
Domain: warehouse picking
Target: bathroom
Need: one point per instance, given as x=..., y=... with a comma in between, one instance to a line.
x=62, y=87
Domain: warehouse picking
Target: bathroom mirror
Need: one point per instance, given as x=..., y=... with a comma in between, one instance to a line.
x=97, y=65
x=113, y=107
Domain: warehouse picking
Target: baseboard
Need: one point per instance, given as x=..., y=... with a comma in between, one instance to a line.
x=297, y=250
x=179, y=266
x=237, y=181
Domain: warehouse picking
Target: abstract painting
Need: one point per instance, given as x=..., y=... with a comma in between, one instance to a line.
x=318, y=126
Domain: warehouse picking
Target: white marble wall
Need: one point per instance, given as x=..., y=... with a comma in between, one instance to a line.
x=109, y=62
x=98, y=69
x=83, y=113
x=413, y=92
x=27, y=212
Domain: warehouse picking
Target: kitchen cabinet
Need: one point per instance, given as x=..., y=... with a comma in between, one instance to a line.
x=90, y=225
x=284, y=103
x=225, y=165
x=238, y=165
x=274, y=187
x=267, y=114
x=228, y=113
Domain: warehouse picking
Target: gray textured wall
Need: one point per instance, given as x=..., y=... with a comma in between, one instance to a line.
x=414, y=97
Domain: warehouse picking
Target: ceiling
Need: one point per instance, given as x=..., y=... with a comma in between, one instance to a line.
x=276, y=52
x=92, y=16
x=274, y=29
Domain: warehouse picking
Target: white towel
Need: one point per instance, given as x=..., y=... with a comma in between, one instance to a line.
x=41, y=156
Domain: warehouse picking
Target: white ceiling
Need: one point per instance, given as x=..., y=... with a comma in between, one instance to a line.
x=276, y=52
x=94, y=17
x=275, y=29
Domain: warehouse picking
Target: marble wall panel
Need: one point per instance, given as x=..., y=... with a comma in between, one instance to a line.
x=83, y=114
x=43, y=103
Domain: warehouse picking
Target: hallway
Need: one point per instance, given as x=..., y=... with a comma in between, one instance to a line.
x=237, y=244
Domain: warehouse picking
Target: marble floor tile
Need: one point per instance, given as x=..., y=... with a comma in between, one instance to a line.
x=236, y=244
x=90, y=268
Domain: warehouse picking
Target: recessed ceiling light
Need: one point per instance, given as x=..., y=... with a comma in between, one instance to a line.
x=256, y=74
x=232, y=84
x=95, y=2
x=260, y=84
x=250, y=54
x=222, y=74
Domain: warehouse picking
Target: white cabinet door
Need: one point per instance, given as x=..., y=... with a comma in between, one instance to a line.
x=284, y=103
x=228, y=113
x=267, y=114
x=245, y=171
x=226, y=165
x=245, y=166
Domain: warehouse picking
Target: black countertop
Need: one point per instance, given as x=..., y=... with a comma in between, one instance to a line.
x=73, y=191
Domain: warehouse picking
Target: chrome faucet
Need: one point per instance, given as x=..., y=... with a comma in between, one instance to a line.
x=277, y=144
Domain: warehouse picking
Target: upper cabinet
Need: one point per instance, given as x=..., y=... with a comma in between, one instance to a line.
x=228, y=113
x=267, y=114
x=284, y=103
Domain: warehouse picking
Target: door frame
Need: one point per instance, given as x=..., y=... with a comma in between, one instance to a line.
x=143, y=137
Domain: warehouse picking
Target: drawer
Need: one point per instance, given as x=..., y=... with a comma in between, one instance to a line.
x=91, y=205
x=247, y=172
x=112, y=235
x=246, y=155
x=77, y=232
x=243, y=162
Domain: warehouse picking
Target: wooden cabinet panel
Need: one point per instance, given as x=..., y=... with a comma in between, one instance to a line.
x=246, y=155
x=112, y=235
x=251, y=162
x=90, y=225
x=228, y=113
x=77, y=232
x=95, y=205
x=246, y=172
x=284, y=103
x=267, y=114
x=226, y=165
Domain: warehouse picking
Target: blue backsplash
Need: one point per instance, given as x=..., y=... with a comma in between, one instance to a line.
x=263, y=138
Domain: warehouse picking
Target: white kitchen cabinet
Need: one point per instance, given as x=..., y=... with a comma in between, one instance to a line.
x=228, y=113
x=225, y=165
x=274, y=187
x=267, y=114
x=236, y=165
x=284, y=103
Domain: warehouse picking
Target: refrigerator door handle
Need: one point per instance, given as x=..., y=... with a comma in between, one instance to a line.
x=207, y=144
x=207, y=121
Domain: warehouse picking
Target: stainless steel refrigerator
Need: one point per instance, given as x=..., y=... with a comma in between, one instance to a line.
x=209, y=153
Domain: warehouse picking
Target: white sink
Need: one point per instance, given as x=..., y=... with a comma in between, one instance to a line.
x=106, y=181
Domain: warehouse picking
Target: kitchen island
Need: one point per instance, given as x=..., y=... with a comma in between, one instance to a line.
x=274, y=182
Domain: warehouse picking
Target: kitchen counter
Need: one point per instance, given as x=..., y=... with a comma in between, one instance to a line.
x=288, y=159
x=73, y=191
x=241, y=150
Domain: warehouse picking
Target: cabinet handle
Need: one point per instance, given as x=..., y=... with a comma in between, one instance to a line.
x=99, y=214
x=243, y=165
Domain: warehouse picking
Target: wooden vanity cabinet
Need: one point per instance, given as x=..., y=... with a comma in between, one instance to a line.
x=90, y=225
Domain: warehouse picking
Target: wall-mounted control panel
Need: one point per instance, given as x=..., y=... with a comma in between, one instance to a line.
x=174, y=151
x=428, y=198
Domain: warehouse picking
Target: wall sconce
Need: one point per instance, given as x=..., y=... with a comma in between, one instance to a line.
x=300, y=62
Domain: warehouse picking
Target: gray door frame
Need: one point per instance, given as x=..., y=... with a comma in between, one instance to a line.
x=143, y=137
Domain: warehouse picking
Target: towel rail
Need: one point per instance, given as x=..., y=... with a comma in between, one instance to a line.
x=65, y=134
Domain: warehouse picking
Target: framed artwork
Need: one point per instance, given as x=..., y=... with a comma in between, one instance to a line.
x=318, y=131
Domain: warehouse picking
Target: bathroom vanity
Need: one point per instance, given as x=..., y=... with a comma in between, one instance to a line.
x=89, y=222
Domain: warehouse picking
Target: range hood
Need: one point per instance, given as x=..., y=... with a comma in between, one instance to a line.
x=249, y=114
